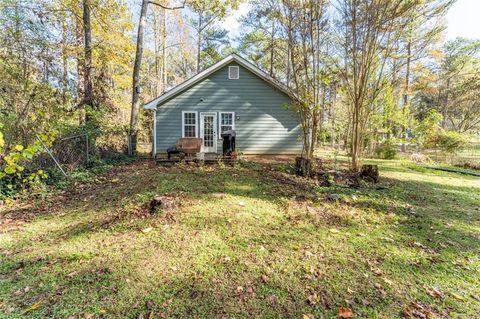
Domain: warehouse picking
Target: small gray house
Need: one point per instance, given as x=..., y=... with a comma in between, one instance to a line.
x=232, y=94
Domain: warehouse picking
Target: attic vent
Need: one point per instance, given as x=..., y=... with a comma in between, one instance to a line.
x=233, y=72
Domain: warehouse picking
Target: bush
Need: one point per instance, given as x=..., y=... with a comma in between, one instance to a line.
x=452, y=142
x=14, y=175
x=387, y=150
x=447, y=141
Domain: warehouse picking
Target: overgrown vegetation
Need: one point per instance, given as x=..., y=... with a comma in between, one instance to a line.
x=250, y=241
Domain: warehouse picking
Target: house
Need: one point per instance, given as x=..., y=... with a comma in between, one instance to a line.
x=231, y=94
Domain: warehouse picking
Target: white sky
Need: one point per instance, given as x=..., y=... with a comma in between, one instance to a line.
x=232, y=25
x=463, y=20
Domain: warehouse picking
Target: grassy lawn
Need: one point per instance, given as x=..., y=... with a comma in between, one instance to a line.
x=247, y=242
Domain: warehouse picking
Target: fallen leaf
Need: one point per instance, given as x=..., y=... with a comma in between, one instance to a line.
x=376, y=271
x=264, y=278
x=308, y=316
x=314, y=299
x=388, y=281
x=33, y=307
x=345, y=313
x=456, y=296
x=435, y=293
x=273, y=299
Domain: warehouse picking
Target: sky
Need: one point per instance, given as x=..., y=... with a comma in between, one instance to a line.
x=463, y=20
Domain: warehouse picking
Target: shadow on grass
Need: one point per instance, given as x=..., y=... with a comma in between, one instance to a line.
x=233, y=289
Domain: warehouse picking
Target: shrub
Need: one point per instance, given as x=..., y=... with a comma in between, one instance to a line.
x=15, y=176
x=452, y=142
x=387, y=150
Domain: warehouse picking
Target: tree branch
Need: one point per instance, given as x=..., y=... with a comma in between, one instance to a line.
x=167, y=7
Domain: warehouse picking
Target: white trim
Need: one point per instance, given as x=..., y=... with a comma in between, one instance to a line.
x=215, y=122
x=183, y=122
x=200, y=76
x=231, y=67
x=220, y=122
x=154, y=151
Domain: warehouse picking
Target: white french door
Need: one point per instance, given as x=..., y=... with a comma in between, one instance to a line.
x=208, y=131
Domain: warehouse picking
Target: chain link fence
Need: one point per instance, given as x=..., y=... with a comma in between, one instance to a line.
x=468, y=156
x=71, y=152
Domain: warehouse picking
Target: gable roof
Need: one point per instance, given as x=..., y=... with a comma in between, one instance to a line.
x=152, y=105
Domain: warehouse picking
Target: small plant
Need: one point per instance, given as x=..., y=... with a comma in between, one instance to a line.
x=15, y=176
x=387, y=150
x=452, y=142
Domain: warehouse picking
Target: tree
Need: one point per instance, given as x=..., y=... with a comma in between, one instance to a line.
x=306, y=27
x=262, y=40
x=87, y=69
x=367, y=31
x=452, y=86
x=133, y=131
x=207, y=13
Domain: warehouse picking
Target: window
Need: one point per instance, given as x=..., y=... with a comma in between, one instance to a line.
x=189, y=124
x=233, y=72
x=227, y=122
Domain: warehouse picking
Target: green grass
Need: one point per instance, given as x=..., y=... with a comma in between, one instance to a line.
x=249, y=242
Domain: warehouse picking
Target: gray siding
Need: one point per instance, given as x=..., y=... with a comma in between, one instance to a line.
x=264, y=125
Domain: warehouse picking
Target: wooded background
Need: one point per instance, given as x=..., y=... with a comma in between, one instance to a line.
x=371, y=77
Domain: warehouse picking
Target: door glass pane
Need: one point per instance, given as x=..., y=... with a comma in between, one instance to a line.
x=208, y=131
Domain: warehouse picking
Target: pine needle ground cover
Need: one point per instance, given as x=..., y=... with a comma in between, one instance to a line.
x=253, y=241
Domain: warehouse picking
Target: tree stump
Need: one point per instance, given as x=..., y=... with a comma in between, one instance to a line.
x=165, y=203
x=303, y=166
x=370, y=172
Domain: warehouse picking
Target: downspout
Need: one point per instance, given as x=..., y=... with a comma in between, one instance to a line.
x=154, y=150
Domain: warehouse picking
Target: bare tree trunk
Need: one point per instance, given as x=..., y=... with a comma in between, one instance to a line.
x=133, y=132
x=87, y=28
x=272, y=47
x=132, y=138
x=445, y=106
x=80, y=71
x=199, y=42
x=164, y=52
x=407, y=89
x=64, y=62
x=156, y=44
x=357, y=136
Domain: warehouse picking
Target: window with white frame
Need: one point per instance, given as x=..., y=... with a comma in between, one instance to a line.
x=233, y=72
x=227, y=122
x=189, y=124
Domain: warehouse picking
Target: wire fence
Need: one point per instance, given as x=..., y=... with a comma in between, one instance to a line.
x=468, y=155
x=66, y=153
x=71, y=152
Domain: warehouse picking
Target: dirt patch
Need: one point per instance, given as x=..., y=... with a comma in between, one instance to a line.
x=270, y=159
x=291, y=185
